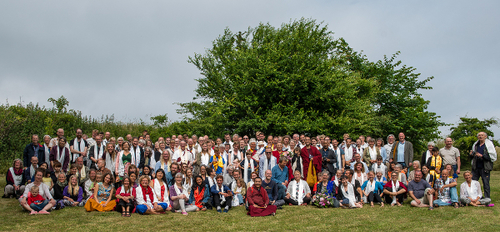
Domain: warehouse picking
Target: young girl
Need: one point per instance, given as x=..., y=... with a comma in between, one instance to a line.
x=57, y=170
x=451, y=172
x=73, y=194
x=239, y=192
x=47, y=179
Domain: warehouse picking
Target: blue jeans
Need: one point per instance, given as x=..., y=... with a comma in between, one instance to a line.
x=281, y=192
x=453, y=196
x=39, y=207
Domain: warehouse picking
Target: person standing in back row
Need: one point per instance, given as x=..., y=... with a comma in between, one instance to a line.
x=483, y=155
x=402, y=152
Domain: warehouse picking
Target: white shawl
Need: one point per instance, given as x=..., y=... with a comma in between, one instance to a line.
x=110, y=163
x=349, y=194
x=98, y=155
x=17, y=178
x=157, y=190
x=205, y=158
x=348, y=153
x=187, y=186
x=60, y=157
x=373, y=153
x=47, y=154
x=180, y=192
x=222, y=198
x=427, y=156
x=245, y=170
x=298, y=195
x=339, y=157
x=140, y=197
x=490, y=147
x=136, y=155
x=77, y=147
x=395, y=188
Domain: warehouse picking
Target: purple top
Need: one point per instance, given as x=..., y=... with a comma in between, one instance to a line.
x=77, y=198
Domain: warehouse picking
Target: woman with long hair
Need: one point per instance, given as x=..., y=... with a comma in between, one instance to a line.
x=200, y=194
x=160, y=188
x=165, y=161
x=101, y=200
x=73, y=194
x=123, y=161
x=125, y=198
x=110, y=157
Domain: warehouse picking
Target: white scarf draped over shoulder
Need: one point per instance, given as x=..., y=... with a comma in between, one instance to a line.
x=246, y=178
x=349, y=194
x=298, y=196
x=157, y=189
x=77, y=147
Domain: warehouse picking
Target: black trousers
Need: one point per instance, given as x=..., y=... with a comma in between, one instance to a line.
x=124, y=204
x=217, y=201
x=399, y=198
x=485, y=176
x=294, y=202
x=374, y=198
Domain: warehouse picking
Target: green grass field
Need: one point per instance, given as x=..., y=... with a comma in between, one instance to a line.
x=306, y=218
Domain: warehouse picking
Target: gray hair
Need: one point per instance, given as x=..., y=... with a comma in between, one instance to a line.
x=431, y=144
x=390, y=135
x=252, y=140
x=399, y=166
x=283, y=158
x=179, y=175
x=142, y=141
x=46, y=136
x=325, y=172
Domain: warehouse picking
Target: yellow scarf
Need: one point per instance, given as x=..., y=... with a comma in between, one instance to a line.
x=219, y=164
x=436, y=161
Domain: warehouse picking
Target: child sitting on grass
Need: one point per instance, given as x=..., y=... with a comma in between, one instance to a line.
x=36, y=201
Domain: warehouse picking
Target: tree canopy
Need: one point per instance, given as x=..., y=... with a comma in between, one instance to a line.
x=299, y=79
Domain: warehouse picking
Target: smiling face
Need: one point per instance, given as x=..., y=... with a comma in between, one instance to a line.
x=144, y=182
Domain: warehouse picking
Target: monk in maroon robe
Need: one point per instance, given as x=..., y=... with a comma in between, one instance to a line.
x=307, y=151
x=258, y=201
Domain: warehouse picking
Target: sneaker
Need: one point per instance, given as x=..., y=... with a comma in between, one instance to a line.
x=491, y=205
x=219, y=211
x=279, y=207
x=43, y=212
x=5, y=196
x=33, y=212
x=226, y=210
x=184, y=213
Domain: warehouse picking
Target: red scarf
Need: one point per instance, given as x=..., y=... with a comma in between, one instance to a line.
x=18, y=172
x=147, y=190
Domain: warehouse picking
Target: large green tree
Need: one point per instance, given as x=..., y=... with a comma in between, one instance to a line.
x=298, y=78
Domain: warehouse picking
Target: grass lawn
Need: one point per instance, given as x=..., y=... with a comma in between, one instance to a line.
x=290, y=218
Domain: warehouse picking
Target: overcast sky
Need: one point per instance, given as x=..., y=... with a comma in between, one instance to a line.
x=129, y=58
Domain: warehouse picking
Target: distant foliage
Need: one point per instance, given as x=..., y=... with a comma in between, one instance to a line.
x=465, y=134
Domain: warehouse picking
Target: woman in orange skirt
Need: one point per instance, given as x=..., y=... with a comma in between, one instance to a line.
x=101, y=200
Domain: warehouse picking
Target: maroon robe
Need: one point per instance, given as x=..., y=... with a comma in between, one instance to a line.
x=259, y=197
x=317, y=160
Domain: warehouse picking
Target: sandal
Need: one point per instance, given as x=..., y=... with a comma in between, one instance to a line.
x=127, y=214
x=431, y=208
x=455, y=205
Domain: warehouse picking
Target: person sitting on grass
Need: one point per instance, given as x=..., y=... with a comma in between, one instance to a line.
x=446, y=191
x=373, y=190
x=15, y=180
x=326, y=187
x=125, y=195
x=59, y=187
x=101, y=199
x=73, y=193
x=258, y=201
x=180, y=197
x=147, y=202
x=470, y=192
x=427, y=176
x=347, y=194
x=160, y=187
x=200, y=194
x=36, y=201
x=394, y=191
x=222, y=195
x=43, y=190
x=298, y=192
x=380, y=178
x=420, y=191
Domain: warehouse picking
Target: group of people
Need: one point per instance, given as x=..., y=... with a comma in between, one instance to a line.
x=187, y=174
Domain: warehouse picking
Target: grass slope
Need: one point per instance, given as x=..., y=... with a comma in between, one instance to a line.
x=290, y=218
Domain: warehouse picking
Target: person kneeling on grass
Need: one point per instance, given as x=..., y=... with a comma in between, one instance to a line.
x=298, y=192
x=101, y=199
x=223, y=196
x=446, y=190
x=420, y=191
x=147, y=202
x=258, y=201
x=347, y=194
x=327, y=188
x=470, y=192
x=394, y=190
x=43, y=190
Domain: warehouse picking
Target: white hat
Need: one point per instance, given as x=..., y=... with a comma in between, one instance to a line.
x=261, y=143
